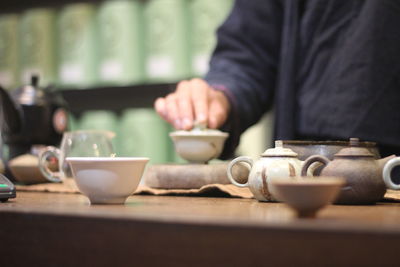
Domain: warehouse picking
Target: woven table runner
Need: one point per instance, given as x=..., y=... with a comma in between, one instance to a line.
x=211, y=190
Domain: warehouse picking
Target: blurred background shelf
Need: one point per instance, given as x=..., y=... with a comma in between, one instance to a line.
x=110, y=59
x=114, y=98
x=7, y=6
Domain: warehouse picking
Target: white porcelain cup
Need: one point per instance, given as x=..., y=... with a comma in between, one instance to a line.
x=107, y=180
x=83, y=143
x=199, y=146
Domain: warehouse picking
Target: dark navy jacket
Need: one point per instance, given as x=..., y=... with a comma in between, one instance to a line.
x=330, y=68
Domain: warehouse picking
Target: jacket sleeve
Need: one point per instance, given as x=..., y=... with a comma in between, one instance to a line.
x=244, y=63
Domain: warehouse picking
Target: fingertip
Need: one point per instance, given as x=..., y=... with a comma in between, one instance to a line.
x=159, y=106
x=202, y=118
x=159, y=102
x=187, y=124
x=177, y=124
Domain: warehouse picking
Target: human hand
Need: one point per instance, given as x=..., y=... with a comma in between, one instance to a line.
x=193, y=101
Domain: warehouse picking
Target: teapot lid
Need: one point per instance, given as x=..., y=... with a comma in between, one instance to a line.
x=30, y=94
x=354, y=150
x=279, y=151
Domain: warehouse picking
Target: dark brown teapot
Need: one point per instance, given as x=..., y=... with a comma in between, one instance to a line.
x=363, y=173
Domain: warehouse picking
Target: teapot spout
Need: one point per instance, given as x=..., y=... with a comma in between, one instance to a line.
x=383, y=161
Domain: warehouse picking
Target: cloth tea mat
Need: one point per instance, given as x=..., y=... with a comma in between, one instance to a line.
x=176, y=180
x=392, y=195
x=67, y=186
x=172, y=179
x=211, y=190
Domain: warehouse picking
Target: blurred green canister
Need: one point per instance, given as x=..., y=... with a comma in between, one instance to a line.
x=206, y=16
x=37, y=47
x=9, y=51
x=76, y=38
x=72, y=122
x=167, y=40
x=143, y=134
x=120, y=25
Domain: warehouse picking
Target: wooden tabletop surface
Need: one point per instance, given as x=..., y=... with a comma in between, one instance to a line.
x=227, y=226
x=221, y=211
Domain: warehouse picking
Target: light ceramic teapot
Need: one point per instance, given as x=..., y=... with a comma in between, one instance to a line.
x=275, y=163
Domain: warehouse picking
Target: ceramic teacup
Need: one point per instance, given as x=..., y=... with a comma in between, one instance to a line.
x=306, y=195
x=107, y=180
x=199, y=146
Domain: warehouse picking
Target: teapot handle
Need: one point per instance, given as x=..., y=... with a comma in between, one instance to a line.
x=387, y=174
x=310, y=160
x=248, y=160
x=48, y=153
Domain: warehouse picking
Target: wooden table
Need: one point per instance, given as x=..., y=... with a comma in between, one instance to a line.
x=44, y=229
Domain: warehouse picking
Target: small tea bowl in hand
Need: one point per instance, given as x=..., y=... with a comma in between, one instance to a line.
x=107, y=180
x=199, y=146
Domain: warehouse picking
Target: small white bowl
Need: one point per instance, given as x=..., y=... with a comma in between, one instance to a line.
x=306, y=195
x=107, y=180
x=199, y=146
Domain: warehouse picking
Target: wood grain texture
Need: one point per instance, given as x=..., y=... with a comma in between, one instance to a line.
x=39, y=229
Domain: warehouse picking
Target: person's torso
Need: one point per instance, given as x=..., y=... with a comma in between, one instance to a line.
x=348, y=69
